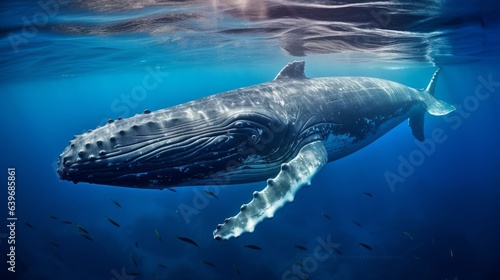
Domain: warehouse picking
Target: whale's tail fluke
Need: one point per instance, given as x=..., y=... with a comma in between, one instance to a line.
x=432, y=105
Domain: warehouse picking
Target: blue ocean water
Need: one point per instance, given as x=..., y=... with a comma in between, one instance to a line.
x=69, y=66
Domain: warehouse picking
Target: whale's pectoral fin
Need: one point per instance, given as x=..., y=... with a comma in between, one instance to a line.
x=417, y=126
x=280, y=190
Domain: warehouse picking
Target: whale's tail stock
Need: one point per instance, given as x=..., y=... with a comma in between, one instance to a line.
x=432, y=105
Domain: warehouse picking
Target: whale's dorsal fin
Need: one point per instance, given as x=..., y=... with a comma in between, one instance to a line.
x=293, y=70
x=294, y=174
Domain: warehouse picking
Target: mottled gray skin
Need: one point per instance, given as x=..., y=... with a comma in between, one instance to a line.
x=239, y=136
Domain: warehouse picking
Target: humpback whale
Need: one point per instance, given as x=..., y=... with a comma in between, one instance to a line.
x=281, y=132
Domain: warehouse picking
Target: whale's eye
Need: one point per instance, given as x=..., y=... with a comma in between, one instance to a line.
x=253, y=139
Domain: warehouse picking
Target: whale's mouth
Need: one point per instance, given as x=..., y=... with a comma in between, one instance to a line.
x=155, y=154
x=170, y=160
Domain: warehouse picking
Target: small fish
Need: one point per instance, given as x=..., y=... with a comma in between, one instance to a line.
x=338, y=251
x=133, y=259
x=408, y=234
x=86, y=236
x=208, y=263
x=112, y=221
x=368, y=194
x=161, y=265
x=29, y=225
x=432, y=240
x=156, y=277
x=326, y=215
x=171, y=189
x=158, y=235
x=67, y=222
x=54, y=243
x=136, y=244
x=54, y=217
x=252, y=247
x=187, y=240
x=299, y=263
x=416, y=258
x=81, y=228
x=116, y=203
x=356, y=223
x=211, y=194
x=301, y=247
x=366, y=246
x=451, y=253
x=134, y=273
x=235, y=268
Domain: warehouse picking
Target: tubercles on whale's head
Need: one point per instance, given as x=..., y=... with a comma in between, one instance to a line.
x=175, y=148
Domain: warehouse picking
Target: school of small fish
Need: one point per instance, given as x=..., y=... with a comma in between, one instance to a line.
x=302, y=249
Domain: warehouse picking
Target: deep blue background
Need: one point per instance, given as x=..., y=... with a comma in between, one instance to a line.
x=449, y=204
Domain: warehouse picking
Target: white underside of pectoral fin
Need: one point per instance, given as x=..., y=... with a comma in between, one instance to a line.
x=279, y=190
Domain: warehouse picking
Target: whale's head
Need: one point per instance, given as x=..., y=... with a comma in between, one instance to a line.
x=179, y=146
